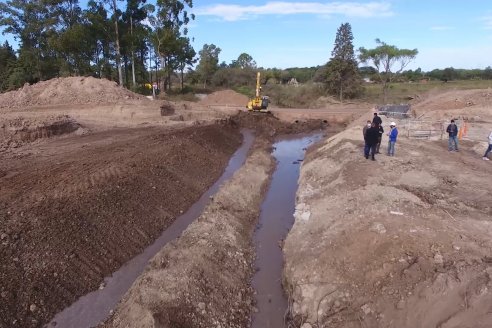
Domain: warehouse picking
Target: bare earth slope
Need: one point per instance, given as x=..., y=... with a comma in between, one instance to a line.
x=202, y=278
x=401, y=242
x=74, y=210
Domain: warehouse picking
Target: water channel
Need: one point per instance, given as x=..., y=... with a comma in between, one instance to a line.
x=275, y=221
x=91, y=309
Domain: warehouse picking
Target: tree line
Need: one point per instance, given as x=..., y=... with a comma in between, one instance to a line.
x=59, y=38
x=134, y=43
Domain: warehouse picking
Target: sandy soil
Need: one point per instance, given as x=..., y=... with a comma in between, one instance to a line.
x=401, y=242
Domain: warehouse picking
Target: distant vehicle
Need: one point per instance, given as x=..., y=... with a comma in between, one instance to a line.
x=258, y=103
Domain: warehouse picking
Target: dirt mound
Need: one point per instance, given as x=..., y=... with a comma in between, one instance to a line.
x=67, y=91
x=453, y=100
x=225, y=97
x=269, y=125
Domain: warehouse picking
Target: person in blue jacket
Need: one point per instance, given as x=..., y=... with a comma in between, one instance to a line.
x=452, y=130
x=392, y=134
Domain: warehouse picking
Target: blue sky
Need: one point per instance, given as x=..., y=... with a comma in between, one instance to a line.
x=282, y=34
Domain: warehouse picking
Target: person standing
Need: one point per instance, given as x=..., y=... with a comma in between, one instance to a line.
x=377, y=120
x=381, y=131
x=393, y=134
x=452, y=130
x=371, y=139
x=489, y=149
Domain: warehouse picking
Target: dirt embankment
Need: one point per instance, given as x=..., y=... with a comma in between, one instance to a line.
x=225, y=98
x=75, y=209
x=401, y=242
x=202, y=278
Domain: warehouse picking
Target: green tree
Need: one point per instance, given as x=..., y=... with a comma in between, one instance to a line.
x=31, y=23
x=169, y=24
x=185, y=57
x=384, y=57
x=136, y=12
x=244, y=61
x=8, y=61
x=341, y=74
x=101, y=37
x=116, y=13
x=208, y=64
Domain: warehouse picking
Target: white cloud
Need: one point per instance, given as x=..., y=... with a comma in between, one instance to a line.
x=441, y=28
x=353, y=9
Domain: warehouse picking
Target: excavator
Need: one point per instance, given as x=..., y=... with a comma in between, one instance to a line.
x=258, y=103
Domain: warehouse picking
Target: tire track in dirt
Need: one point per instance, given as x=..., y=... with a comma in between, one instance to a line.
x=66, y=226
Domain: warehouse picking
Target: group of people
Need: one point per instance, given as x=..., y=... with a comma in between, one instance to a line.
x=373, y=134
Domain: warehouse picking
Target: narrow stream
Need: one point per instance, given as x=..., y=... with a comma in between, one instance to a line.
x=91, y=309
x=276, y=219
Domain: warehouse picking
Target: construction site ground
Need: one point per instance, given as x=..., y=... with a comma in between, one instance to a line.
x=91, y=174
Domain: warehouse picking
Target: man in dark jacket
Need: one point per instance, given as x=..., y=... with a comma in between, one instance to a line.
x=377, y=120
x=381, y=131
x=452, y=130
x=371, y=139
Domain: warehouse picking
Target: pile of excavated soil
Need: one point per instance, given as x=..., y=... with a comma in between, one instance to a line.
x=269, y=125
x=67, y=91
x=402, y=241
x=85, y=205
x=225, y=97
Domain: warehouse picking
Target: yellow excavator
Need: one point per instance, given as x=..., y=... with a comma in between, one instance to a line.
x=258, y=103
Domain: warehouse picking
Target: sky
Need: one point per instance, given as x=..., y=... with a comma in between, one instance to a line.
x=283, y=34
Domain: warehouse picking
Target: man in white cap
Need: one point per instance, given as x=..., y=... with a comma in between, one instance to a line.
x=392, y=134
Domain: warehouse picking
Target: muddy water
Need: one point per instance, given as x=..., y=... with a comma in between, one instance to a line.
x=95, y=307
x=275, y=221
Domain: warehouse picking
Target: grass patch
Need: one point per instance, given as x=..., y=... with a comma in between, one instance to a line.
x=399, y=92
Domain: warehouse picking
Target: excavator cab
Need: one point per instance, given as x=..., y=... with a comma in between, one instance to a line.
x=258, y=103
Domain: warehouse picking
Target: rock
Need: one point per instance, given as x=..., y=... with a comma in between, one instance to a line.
x=3, y=236
x=306, y=325
x=33, y=307
x=378, y=228
x=366, y=309
x=201, y=306
x=438, y=259
x=400, y=305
